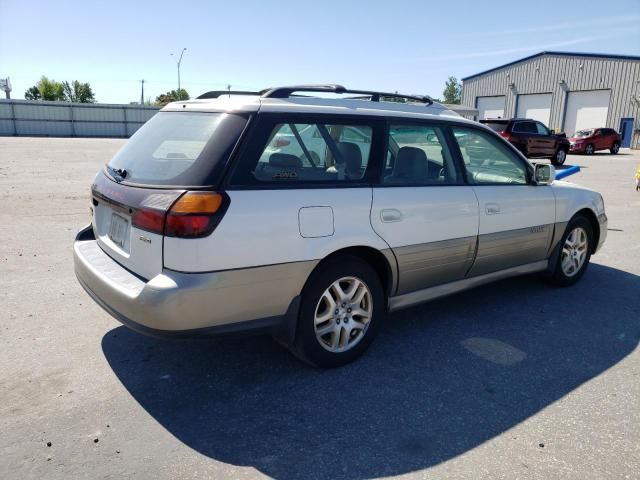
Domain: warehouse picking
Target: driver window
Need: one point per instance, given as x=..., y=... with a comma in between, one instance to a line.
x=487, y=161
x=418, y=155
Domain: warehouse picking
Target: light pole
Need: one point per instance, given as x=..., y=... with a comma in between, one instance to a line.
x=178, y=62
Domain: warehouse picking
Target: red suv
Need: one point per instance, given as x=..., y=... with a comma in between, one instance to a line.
x=532, y=138
x=590, y=140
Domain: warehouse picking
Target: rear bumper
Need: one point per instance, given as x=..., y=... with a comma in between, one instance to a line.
x=176, y=304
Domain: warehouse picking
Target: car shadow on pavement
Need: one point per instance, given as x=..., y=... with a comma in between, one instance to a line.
x=440, y=379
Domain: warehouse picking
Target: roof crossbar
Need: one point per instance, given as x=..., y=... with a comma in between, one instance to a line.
x=286, y=92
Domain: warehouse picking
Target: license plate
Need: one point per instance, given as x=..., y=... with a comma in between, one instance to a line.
x=118, y=229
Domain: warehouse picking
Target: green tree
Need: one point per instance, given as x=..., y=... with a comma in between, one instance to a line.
x=171, y=96
x=78, y=92
x=452, y=91
x=47, y=89
x=32, y=94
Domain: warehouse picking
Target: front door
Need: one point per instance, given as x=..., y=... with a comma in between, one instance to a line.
x=516, y=218
x=423, y=210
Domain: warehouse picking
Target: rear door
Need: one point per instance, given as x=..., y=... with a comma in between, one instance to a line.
x=422, y=208
x=516, y=218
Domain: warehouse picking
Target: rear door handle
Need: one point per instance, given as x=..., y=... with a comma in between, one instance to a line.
x=492, y=208
x=391, y=215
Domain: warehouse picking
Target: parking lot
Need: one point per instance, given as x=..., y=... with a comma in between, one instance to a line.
x=510, y=380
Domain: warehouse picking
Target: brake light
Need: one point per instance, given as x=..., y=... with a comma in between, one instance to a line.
x=505, y=135
x=195, y=214
x=150, y=220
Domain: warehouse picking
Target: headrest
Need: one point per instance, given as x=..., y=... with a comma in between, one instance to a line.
x=351, y=155
x=410, y=162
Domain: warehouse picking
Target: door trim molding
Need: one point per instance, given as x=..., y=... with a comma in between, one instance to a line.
x=420, y=296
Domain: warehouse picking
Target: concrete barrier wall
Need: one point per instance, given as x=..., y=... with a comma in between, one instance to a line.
x=65, y=119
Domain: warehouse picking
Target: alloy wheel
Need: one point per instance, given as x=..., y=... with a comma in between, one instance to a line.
x=343, y=314
x=574, y=251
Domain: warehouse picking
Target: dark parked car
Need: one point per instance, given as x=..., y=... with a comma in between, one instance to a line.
x=532, y=138
x=590, y=140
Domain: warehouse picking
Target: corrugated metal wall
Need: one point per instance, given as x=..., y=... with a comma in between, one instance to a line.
x=543, y=75
x=64, y=119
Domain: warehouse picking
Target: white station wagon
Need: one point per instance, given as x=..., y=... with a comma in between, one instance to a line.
x=311, y=217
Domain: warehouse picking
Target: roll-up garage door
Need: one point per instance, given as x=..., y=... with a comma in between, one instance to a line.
x=587, y=109
x=490, y=107
x=536, y=106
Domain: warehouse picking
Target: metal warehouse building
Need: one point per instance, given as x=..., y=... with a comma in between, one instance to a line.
x=566, y=91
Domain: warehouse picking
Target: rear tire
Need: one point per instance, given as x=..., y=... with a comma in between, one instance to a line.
x=589, y=149
x=615, y=148
x=560, y=157
x=573, y=258
x=335, y=324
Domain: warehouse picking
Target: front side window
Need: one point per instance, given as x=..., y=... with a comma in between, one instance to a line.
x=525, y=127
x=487, y=160
x=542, y=130
x=418, y=155
x=312, y=152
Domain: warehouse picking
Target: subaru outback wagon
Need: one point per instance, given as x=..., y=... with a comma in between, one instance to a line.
x=310, y=218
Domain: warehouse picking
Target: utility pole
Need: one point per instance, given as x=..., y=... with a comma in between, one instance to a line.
x=178, y=62
x=142, y=92
x=229, y=90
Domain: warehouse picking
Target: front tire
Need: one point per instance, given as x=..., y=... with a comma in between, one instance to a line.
x=589, y=149
x=560, y=157
x=575, y=247
x=615, y=148
x=341, y=310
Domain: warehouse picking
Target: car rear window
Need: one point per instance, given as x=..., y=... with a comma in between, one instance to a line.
x=496, y=126
x=583, y=133
x=178, y=148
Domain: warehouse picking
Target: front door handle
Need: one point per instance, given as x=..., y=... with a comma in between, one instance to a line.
x=492, y=208
x=391, y=215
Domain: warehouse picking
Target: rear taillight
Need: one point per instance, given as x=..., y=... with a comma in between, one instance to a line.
x=505, y=135
x=150, y=220
x=194, y=214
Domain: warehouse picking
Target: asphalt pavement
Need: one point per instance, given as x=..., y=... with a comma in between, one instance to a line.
x=511, y=380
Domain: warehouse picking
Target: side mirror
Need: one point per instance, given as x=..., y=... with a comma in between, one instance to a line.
x=544, y=174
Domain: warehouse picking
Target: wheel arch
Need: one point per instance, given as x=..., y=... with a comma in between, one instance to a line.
x=383, y=262
x=595, y=225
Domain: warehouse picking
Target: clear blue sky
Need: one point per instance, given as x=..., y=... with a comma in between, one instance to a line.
x=411, y=46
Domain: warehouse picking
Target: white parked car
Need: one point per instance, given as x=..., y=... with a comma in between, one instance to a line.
x=310, y=218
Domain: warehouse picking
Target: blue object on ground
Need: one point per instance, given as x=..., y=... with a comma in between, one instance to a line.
x=565, y=172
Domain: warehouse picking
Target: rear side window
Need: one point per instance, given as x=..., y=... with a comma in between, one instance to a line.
x=299, y=152
x=487, y=160
x=178, y=148
x=418, y=155
x=496, y=126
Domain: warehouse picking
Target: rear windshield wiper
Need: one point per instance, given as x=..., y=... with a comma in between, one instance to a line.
x=119, y=172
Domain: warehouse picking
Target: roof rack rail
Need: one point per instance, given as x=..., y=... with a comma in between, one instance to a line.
x=286, y=92
x=220, y=93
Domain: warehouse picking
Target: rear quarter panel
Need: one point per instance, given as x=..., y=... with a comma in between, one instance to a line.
x=262, y=227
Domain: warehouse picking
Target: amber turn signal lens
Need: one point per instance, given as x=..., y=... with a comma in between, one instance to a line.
x=198, y=202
